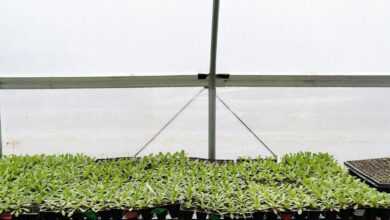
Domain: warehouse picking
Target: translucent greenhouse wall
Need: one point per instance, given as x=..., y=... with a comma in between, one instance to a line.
x=168, y=37
x=349, y=123
x=172, y=36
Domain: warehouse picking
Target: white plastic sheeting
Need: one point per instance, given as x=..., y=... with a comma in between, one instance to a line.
x=347, y=122
x=172, y=36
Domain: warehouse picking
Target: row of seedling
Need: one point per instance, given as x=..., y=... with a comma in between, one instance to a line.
x=74, y=184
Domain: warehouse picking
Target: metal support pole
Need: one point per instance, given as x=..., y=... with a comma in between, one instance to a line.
x=211, y=85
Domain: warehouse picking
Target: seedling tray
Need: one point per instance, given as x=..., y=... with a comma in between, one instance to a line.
x=375, y=172
x=188, y=214
x=171, y=180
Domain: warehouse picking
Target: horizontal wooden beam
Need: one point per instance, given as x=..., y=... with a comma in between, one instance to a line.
x=194, y=80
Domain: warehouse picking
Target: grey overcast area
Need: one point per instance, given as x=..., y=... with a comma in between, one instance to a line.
x=46, y=37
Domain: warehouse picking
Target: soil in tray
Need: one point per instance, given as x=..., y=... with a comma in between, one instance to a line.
x=377, y=170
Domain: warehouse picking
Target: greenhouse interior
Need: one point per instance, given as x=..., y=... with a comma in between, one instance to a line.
x=194, y=110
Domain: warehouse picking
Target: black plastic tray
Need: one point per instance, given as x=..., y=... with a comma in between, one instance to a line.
x=188, y=214
x=364, y=170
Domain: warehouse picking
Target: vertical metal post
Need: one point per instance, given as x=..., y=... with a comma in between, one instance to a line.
x=212, y=73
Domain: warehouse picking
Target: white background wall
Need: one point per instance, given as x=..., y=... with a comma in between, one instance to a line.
x=161, y=37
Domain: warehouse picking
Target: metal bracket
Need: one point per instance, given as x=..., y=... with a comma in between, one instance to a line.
x=203, y=76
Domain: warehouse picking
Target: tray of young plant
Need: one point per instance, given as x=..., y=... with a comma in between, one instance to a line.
x=375, y=172
x=299, y=186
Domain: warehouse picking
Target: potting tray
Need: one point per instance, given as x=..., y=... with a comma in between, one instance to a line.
x=373, y=171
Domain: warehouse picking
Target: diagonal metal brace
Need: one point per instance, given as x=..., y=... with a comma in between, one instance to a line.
x=246, y=126
x=169, y=122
